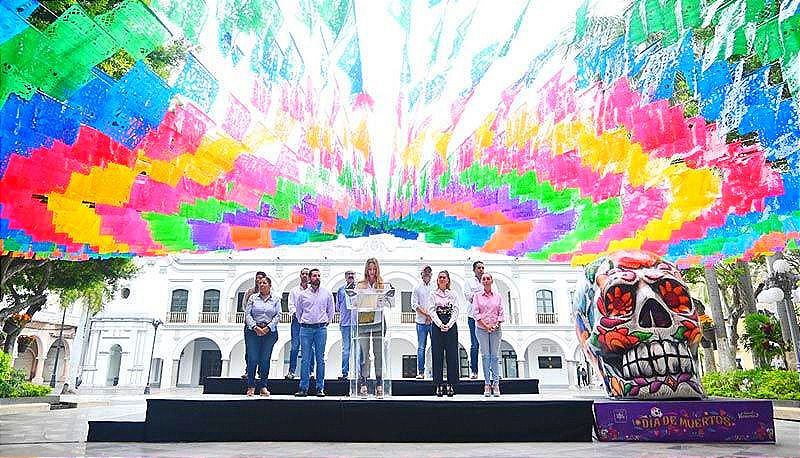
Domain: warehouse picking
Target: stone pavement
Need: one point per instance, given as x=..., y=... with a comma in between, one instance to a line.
x=63, y=432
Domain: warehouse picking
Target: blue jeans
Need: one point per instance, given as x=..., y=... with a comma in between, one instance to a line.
x=423, y=331
x=313, y=344
x=259, y=352
x=490, y=352
x=346, y=335
x=295, y=350
x=473, y=346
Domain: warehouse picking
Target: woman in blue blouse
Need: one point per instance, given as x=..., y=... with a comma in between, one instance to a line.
x=261, y=315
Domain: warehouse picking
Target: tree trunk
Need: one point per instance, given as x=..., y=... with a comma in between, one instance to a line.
x=709, y=365
x=746, y=282
x=33, y=305
x=748, y=299
x=726, y=361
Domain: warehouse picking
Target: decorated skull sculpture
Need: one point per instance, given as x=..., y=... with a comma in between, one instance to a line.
x=637, y=323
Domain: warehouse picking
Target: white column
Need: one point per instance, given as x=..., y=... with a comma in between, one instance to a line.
x=79, y=346
x=226, y=366
x=572, y=377
x=39, y=377
x=174, y=374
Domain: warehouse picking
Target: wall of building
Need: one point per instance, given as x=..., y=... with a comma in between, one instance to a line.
x=127, y=320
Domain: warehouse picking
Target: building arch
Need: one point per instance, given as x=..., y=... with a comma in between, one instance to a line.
x=28, y=359
x=547, y=361
x=186, y=340
x=199, y=358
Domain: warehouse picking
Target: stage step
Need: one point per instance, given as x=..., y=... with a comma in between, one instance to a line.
x=402, y=387
x=429, y=419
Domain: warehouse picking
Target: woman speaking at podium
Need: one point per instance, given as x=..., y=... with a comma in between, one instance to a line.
x=371, y=326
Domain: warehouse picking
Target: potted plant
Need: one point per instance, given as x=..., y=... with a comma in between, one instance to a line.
x=15, y=321
x=23, y=343
x=707, y=325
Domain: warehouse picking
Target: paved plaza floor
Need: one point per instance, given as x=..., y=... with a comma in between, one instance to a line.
x=63, y=433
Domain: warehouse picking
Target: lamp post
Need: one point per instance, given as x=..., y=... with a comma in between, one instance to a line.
x=58, y=349
x=783, y=280
x=156, y=324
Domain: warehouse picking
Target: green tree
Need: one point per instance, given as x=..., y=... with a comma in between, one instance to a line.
x=25, y=284
x=162, y=60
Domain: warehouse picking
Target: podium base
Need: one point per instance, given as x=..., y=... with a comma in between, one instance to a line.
x=714, y=420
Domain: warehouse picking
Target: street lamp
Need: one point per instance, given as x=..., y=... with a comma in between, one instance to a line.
x=780, y=291
x=156, y=324
x=58, y=348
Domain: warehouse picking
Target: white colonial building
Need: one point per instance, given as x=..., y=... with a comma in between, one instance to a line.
x=199, y=300
x=38, y=361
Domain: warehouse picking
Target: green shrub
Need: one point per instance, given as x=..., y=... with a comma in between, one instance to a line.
x=763, y=336
x=13, y=383
x=754, y=384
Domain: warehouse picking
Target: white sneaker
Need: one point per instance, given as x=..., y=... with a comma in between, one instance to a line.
x=420, y=377
x=473, y=375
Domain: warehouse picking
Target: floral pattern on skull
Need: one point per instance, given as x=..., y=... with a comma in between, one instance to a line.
x=638, y=325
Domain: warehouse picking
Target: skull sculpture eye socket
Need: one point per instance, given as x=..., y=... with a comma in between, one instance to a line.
x=618, y=300
x=674, y=295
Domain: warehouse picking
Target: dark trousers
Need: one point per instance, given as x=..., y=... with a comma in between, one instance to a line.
x=473, y=346
x=444, y=347
x=295, y=349
x=259, y=351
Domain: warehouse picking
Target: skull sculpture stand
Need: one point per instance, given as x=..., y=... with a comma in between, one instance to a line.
x=637, y=323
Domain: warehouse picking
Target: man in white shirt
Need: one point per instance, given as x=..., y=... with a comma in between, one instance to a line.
x=294, y=294
x=471, y=287
x=419, y=303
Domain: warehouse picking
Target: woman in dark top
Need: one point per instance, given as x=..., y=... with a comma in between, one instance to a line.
x=443, y=310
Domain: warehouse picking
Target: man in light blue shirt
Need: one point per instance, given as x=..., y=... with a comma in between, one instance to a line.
x=345, y=320
x=419, y=303
x=315, y=310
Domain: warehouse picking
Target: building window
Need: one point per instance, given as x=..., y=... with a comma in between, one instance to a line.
x=550, y=362
x=405, y=301
x=211, y=301
x=409, y=366
x=125, y=293
x=463, y=362
x=509, y=362
x=285, y=302
x=544, y=301
x=240, y=301
x=180, y=298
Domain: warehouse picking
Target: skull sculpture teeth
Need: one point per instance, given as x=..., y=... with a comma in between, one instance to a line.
x=637, y=323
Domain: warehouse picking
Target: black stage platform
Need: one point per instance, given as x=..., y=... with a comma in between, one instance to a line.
x=401, y=387
x=465, y=418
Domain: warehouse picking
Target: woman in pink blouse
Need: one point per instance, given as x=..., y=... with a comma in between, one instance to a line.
x=488, y=307
x=443, y=310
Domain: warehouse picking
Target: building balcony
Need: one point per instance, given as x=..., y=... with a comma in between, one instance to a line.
x=209, y=317
x=408, y=317
x=236, y=317
x=546, y=318
x=176, y=317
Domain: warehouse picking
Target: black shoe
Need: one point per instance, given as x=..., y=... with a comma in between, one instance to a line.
x=450, y=391
x=321, y=394
x=343, y=377
x=440, y=391
x=301, y=394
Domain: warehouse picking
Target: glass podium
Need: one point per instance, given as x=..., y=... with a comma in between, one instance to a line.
x=369, y=350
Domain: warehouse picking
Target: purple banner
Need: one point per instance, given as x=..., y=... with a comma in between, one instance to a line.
x=684, y=421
